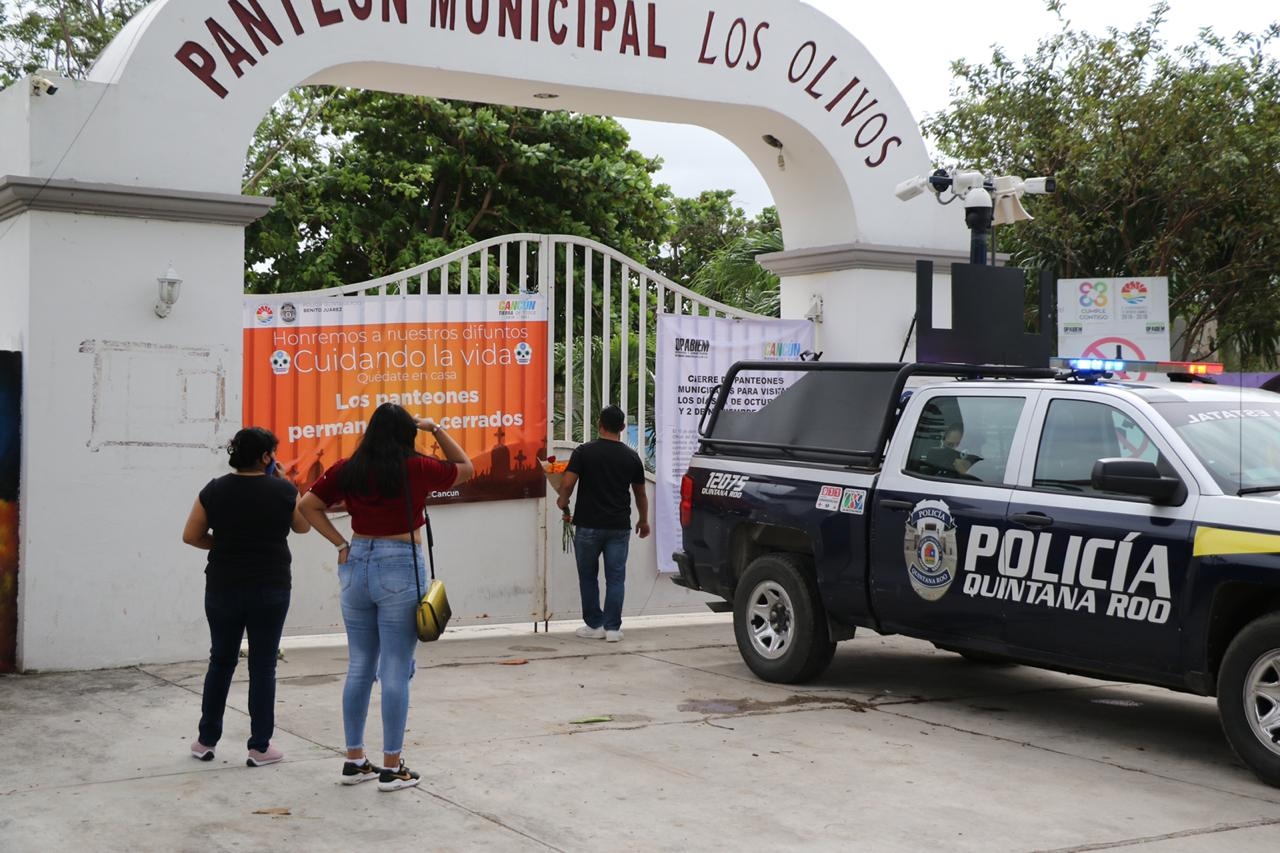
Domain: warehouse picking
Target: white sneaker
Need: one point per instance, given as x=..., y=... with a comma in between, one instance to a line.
x=613, y=636
x=586, y=632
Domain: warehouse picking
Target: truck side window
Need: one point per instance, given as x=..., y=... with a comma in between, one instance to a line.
x=965, y=438
x=1077, y=434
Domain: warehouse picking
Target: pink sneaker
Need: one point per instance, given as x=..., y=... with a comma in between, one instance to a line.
x=200, y=751
x=268, y=756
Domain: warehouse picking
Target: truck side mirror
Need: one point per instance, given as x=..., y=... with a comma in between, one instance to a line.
x=1136, y=477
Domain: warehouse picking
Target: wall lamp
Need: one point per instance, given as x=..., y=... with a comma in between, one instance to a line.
x=774, y=142
x=170, y=287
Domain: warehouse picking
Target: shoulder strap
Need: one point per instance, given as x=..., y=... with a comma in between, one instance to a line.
x=408, y=512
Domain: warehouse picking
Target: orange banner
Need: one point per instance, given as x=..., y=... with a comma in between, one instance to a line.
x=316, y=369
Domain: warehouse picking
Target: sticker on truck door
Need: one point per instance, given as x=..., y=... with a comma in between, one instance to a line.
x=829, y=498
x=929, y=547
x=854, y=501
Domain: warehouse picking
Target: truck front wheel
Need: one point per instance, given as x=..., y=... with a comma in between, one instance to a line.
x=1249, y=697
x=778, y=620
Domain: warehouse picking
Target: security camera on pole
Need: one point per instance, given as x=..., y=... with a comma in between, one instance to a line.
x=987, y=320
x=987, y=200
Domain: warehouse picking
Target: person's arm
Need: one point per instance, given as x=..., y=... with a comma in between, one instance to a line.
x=453, y=451
x=299, y=523
x=196, y=532
x=642, y=509
x=313, y=511
x=567, y=482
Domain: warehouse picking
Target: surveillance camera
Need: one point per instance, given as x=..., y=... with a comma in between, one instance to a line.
x=910, y=188
x=43, y=86
x=978, y=197
x=1040, y=186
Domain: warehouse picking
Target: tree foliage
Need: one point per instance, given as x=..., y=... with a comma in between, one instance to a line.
x=383, y=182
x=1166, y=160
x=60, y=35
x=713, y=249
x=701, y=226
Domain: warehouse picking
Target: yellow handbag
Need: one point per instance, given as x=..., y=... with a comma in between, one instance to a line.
x=433, y=611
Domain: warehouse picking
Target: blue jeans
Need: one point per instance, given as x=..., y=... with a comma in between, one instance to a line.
x=589, y=544
x=379, y=599
x=231, y=613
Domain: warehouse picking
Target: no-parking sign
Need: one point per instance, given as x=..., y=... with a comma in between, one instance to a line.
x=1124, y=318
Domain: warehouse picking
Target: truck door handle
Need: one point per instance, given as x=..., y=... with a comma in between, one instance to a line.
x=1031, y=519
x=892, y=504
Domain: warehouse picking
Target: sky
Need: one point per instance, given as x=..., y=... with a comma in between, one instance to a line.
x=919, y=63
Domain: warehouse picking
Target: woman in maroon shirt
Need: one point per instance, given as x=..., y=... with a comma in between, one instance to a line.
x=384, y=486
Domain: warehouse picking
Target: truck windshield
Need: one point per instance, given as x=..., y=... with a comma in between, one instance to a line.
x=1238, y=441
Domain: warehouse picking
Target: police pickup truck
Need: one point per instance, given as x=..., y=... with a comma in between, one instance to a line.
x=1050, y=516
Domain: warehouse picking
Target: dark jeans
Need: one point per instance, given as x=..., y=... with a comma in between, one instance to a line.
x=589, y=545
x=232, y=612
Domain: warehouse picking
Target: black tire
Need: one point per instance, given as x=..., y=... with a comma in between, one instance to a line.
x=1249, y=697
x=779, y=622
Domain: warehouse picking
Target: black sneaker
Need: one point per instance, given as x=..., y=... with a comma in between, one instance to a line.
x=394, y=780
x=354, y=773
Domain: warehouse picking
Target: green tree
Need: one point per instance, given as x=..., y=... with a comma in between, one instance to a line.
x=701, y=227
x=713, y=249
x=1166, y=163
x=381, y=182
x=732, y=274
x=61, y=35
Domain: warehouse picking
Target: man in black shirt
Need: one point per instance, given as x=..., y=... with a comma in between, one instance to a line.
x=606, y=470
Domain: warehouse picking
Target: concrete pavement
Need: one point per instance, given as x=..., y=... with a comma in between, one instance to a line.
x=898, y=747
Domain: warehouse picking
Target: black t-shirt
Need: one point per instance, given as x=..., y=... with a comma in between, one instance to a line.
x=606, y=472
x=250, y=518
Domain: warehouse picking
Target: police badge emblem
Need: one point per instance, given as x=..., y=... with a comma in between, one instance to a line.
x=929, y=547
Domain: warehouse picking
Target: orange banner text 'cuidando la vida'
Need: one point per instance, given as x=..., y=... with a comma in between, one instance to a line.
x=316, y=368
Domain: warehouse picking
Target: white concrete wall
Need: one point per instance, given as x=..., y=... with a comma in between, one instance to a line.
x=120, y=431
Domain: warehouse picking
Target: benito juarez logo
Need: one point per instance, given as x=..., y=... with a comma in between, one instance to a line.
x=929, y=547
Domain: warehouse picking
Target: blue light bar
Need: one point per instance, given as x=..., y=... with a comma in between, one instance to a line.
x=1095, y=365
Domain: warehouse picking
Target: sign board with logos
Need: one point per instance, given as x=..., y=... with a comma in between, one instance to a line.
x=694, y=353
x=1124, y=318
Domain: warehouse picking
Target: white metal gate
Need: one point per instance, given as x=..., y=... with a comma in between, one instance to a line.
x=601, y=356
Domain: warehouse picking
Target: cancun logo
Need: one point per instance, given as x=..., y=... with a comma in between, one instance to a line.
x=782, y=350
x=264, y=314
x=515, y=307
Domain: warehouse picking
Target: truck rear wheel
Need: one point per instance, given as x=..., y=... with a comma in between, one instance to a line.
x=1249, y=697
x=779, y=622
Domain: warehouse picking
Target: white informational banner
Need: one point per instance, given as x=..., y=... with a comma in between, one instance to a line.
x=694, y=353
x=1114, y=318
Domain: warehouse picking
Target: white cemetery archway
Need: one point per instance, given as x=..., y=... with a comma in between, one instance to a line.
x=111, y=180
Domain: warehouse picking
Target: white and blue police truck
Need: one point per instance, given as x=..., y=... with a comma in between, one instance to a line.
x=1058, y=517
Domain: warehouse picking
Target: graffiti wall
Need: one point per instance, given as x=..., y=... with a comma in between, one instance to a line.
x=10, y=420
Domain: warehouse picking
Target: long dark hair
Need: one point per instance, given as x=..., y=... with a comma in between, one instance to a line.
x=378, y=463
x=246, y=449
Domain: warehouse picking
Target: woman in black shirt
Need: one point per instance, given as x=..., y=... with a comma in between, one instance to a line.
x=243, y=521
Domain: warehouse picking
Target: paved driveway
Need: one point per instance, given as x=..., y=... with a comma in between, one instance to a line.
x=897, y=747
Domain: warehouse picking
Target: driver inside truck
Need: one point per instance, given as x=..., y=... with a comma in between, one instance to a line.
x=949, y=456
